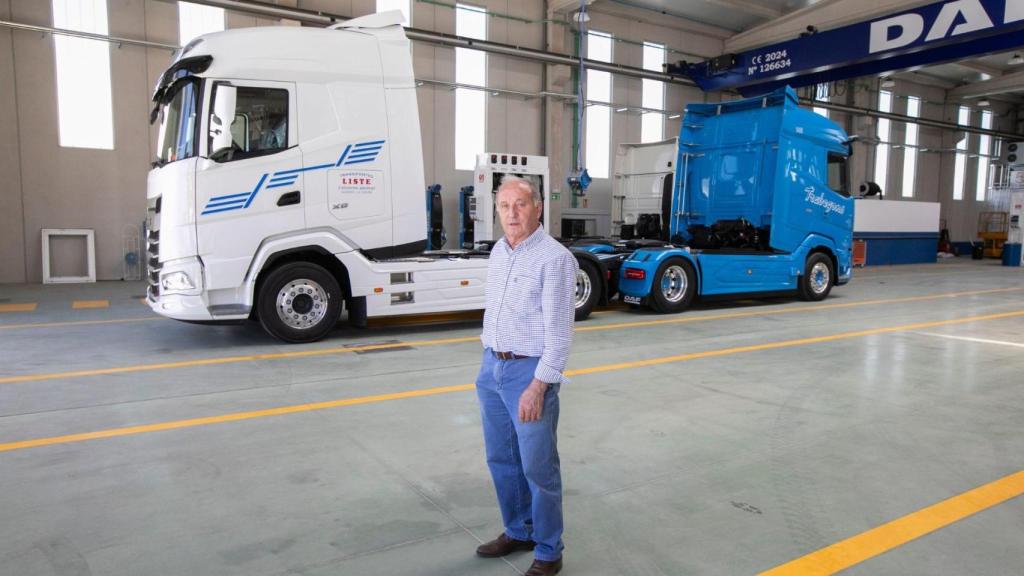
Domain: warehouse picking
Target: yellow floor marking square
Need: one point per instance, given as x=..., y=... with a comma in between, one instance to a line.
x=30, y=307
x=84, y=304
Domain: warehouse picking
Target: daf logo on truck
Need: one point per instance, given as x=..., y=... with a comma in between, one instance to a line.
x=955, y=18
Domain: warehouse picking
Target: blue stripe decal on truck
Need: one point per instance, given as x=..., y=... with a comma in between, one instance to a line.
x=360, y=153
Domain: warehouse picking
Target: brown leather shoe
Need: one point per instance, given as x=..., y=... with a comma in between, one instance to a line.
x=503, y=546
x=544, y=568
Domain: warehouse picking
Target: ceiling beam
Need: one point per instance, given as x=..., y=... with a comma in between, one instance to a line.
x=748, y=7
x=566, y=5
x=823, y=15
x=638, y=13
x=978, y=66
x=919, y=77
x=1013, y=82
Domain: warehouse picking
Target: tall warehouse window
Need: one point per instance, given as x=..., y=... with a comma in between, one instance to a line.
x=984, y=150
x=195, y=20
x=960, y=166
x=821, y=92
x=882, y=150
x=84, y=102
x=910, y=150
x=599, y=117
x=403, y=5
x=470, y=104
x=652, y=124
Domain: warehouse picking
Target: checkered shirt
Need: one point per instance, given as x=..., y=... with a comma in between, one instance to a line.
x=531, y=295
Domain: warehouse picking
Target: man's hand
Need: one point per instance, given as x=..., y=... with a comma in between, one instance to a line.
x=531, y=401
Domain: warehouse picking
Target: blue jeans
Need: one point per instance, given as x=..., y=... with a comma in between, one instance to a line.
x=522, y=457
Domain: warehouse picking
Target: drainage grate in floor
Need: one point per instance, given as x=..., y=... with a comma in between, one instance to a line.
x=380, y=350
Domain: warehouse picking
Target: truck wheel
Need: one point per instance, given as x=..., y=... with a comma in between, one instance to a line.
x=675, y=284
x=299, y=302
x=818, y=278
x=588, y=289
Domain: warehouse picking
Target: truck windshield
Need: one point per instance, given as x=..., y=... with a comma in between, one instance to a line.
x=177, y=137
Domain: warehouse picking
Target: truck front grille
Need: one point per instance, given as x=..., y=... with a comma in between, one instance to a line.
x=153, y=250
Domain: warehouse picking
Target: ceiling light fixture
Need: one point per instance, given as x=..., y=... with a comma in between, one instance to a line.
x=983, y=102
x=1015, y=59
x=888, y=83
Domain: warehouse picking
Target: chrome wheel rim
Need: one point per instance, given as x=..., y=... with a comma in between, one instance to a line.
x=301, y=304
x=819, y=277
x=674, y=283
x=584, y=288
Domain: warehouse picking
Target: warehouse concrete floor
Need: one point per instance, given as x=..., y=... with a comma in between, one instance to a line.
x=731, y=439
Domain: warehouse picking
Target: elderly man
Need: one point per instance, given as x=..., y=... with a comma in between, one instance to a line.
x=531, y=283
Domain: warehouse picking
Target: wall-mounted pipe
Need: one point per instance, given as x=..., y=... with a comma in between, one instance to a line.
x=858, y=111
x=88, y=35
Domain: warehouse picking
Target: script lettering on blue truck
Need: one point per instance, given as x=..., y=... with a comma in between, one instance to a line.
x=820, y=200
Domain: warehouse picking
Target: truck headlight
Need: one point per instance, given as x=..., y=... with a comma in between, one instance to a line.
x=176, y=282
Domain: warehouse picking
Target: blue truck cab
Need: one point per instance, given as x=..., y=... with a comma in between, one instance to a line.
x=760, y=203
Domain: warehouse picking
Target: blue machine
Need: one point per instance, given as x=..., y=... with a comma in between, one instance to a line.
x=938, y=32
x=759, y=205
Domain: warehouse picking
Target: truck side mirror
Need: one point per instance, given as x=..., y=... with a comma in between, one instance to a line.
x=223, y=114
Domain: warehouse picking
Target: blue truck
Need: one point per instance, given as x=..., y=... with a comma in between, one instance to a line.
x=759, y=203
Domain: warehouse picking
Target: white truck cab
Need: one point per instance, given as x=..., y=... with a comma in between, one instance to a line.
x=289, y=182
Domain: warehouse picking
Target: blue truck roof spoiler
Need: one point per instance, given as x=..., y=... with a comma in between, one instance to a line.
x=784, y=96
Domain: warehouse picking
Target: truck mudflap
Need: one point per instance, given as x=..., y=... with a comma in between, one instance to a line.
x=845, y=272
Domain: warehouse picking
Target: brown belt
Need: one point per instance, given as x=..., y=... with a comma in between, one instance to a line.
x=507, y=356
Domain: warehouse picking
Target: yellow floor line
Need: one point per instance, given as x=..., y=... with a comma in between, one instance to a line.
x=235, y=359
x=854, y=550
x=89, y=304
x=114, y=432
x=79, y=323
x=230, y=417
x=31, y=307
x=796, y=309
x=437, y=342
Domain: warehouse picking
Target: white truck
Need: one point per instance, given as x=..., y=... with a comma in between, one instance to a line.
x=289, y=185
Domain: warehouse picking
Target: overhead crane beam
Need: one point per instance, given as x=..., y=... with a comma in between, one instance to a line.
x=946, y=31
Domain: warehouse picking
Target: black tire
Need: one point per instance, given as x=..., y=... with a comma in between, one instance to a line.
x=312, y=304
x=818, y=279
x=674, y=286
x=588, y=289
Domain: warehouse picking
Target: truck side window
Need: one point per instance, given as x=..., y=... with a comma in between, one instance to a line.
x=837, y=174
x=260, y=123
